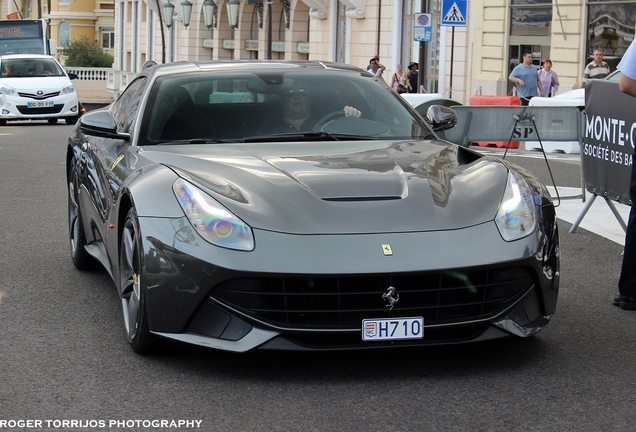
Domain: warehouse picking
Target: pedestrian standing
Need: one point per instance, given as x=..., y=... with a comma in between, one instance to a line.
x=399, y=81
x=376, y=68
x=626, y=297
x=375, y=57
x=527, y=80
x=596, y=69
x=548, y=79
x=412, y=77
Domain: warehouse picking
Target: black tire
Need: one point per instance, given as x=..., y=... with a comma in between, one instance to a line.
x=3, y=122
x=71, y=120
x=132, y=288
x=81, y=259
x=52, y=120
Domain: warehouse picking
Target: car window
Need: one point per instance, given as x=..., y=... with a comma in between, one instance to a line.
x=233, y=106
x=614, y=76
x=31, y=67
x=125, y=108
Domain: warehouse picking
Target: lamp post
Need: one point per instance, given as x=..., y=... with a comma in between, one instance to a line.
x=168, y=10
x=269, y=30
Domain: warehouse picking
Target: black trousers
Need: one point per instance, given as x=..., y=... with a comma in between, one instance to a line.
x=627, y=280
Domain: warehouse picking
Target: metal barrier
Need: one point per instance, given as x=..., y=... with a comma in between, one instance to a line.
x=529, y=123
x=499, y=123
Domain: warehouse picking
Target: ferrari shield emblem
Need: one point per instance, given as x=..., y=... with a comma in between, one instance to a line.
x=386, y=248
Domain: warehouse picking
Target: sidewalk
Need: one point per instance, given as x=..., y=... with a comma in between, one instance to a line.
x=599, y=218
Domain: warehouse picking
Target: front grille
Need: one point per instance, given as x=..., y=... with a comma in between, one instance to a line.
x=39, y=97
x=343, y=302
x=35, y=111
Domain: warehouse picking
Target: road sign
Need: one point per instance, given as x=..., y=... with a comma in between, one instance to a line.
x=455, y=13
x=423, y=27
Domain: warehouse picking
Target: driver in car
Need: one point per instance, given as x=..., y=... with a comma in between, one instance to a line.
x=296, y=105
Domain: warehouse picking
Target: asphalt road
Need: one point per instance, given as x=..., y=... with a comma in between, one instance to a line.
x=63, y=354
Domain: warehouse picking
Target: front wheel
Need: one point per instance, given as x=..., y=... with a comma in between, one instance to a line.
x=77, y=237
x=52, y=120
x=132, y=288
x=71, y=120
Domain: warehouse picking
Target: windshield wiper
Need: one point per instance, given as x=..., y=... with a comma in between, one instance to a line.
x=195, y=141
x=306, y=136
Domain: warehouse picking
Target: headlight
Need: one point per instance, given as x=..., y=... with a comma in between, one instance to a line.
x=516, y=217
x=8, y=90
x=68, y=89
x=213, y=221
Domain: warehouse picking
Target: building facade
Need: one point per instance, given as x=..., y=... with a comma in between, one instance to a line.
x=349, y=31
x=459, y=61
x=566, y=31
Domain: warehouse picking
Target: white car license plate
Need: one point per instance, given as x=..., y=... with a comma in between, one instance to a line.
x=40, y=104
x=392, y=329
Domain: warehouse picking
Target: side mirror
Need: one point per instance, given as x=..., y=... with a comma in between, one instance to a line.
x=441, y=118
x=101, y=123
x=73, y=76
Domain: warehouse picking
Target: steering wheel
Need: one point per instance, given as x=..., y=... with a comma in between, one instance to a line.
x=329, y=117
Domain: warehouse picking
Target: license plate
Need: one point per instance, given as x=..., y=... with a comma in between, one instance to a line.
x=392, y=329
x=40, y=104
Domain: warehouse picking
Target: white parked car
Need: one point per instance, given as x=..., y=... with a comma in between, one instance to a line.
x=36, y=87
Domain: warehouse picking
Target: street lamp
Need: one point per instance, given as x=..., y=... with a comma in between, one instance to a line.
x=208, y=12
x=168, y=10
x=186, y=7
x=232, y=13
x=168, y=13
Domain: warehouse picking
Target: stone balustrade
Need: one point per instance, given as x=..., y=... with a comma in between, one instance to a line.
x=91, y=84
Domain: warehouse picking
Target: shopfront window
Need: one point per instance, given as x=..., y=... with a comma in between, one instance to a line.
x=531, y=17
x=610, y=26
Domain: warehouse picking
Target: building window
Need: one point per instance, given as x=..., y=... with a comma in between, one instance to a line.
x=65, y=33
x=610, y=26
x=108, y=38
x=531, y=17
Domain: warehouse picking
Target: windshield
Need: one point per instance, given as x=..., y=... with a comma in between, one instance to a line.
x=30, y=67
x=267, y=105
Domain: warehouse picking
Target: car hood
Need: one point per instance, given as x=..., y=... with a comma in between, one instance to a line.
x=344, y=187
x=36, y=83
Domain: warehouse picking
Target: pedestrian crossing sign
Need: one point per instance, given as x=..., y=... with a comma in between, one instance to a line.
x=454, y=13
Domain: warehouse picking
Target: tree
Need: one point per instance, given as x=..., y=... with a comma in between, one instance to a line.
x=84, y=53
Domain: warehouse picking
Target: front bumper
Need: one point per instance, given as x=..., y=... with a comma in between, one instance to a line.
x=230, y=300
x=17, y=108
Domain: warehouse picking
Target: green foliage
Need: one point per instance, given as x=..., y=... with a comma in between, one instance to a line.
x=84, y=53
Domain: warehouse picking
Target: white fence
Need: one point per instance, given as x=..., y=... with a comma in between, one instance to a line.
x=89, y=73
x=91, y=84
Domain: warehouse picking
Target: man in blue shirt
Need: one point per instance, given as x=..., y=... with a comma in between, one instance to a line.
x=527, y=80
